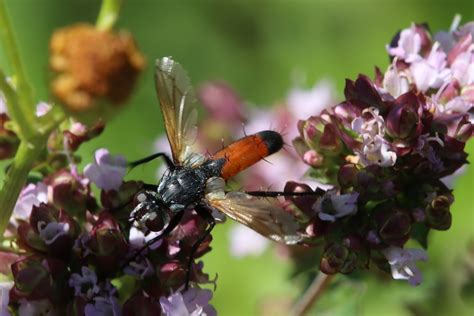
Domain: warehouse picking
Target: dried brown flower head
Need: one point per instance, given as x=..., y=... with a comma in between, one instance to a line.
x=92, y=65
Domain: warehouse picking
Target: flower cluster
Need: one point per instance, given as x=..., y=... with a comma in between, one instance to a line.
x=387, y=148
x=73, y=249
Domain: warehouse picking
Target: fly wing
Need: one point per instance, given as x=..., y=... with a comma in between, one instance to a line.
x=177, y=101
x=264, y=215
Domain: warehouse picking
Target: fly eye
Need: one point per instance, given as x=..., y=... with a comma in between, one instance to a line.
x=157, y=220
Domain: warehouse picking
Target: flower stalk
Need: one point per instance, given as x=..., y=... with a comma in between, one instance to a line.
x=32, y=130
x=309, y=298
x=23, y=110
x=16, y=178
x=108, y=15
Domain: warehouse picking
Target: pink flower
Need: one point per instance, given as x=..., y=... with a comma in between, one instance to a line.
x=42, y=108
x=463, y=68
x=245, y=241
x=409, y=45
x=396, y=82
x=107, y=171
x=3, y=106
x=305, y=103
x=402, y=262
x=431, y=72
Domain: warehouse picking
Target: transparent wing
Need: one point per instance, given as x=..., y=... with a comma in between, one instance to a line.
x=177, y=101
x=262, y=214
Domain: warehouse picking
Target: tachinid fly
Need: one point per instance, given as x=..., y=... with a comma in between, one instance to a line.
x=195, y=181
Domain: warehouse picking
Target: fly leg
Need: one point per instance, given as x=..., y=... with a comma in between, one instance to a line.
x=318, y=192
x=167, y=159
x=168, y=229
x=206, y=214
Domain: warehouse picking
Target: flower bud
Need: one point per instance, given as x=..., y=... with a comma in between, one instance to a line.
x=438, y=215
x=107, y=243
x=70, y=193
x=172, y=274
x=338, y=258
x=393, y=224
x=347, y=175
x=93, y=65
x=37, y=279
x=141, y=304
x=79, y=133
x=49, y=231
x=403, y=120
x=8, y=140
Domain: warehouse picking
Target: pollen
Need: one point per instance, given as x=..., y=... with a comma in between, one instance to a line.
x=90, y=65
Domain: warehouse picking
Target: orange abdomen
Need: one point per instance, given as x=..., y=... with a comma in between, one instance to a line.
x=248, y=151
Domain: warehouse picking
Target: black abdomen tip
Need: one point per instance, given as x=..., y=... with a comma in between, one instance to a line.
x=272, y=140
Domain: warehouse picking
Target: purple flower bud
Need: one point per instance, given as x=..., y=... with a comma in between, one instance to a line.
x=338, y=258
x=347, y=175
x=107, y=243
x=49, y=231
x=363, y=94
x=70, y=192
x=438, y=215
x=78, y=133
x=404, y=118
x=37, y=278
x=172, y=274
x=107, y=171
x=312, y=158
x=141, y=304
x=393, y=225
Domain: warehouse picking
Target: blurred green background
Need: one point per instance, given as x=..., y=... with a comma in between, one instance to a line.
x=257, y=46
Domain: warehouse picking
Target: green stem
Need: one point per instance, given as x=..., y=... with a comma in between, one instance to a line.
x=26, y=105
x=311, y=295
x=16, y=177
x=108, y=14
x=11, y=102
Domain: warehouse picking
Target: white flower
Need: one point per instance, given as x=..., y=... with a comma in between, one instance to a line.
x=396, y=82
x=193, y=302
x=31, y=195
x=107, y=171
x=431, y=72
x=402, y=263
x=463, y=68
x=409, y=45
x=84, y=284
x=5, y=297
x=52, y=231
x=244, y=242
x=42, y=108
x=375, y=149
x=3, y=106
x=339, y=205
x=138, y=239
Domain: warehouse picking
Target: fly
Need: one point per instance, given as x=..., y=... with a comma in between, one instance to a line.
x=195, y=181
